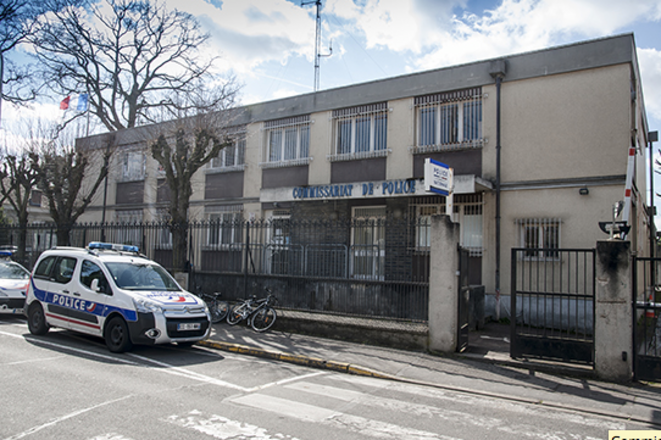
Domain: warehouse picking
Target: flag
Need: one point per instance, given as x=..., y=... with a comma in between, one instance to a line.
x=65, y=103
x=83, y=100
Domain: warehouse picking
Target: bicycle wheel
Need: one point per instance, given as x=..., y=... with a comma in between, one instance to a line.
x=218, y=310
x=263, y=319
x=236, y=315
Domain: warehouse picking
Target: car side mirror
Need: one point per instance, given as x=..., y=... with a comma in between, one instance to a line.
x=100, y=288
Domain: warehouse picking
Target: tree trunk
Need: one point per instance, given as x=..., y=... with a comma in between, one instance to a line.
x=63, y=235
x=179, y=247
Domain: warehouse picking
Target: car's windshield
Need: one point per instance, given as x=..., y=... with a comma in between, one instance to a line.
x=133, y=276
x=13, y=271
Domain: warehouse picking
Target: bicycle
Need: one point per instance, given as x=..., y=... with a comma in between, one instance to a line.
x=259, y=312
x=218, y=309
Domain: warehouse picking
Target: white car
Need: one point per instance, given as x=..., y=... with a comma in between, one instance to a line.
x=14, y=280
x=114, y=292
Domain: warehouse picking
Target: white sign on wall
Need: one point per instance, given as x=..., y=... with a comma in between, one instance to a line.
x=439, y=177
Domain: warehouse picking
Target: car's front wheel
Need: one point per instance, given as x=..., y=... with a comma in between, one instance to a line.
x=117, y=335
x=37, y=320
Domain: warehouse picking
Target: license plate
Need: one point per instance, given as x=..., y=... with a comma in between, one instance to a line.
x=188, y=326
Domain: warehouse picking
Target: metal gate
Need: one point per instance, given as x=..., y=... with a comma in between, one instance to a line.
x=646, y=323
x=552, y=304
x=463, y=320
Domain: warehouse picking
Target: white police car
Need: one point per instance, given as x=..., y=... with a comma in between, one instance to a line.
x=114, y=292
x=14, y=280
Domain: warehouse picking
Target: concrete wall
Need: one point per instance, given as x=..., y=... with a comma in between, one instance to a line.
x=613, y=311
x=443, y=285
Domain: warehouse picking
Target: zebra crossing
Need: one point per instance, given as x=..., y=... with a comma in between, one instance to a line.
x=415, y=413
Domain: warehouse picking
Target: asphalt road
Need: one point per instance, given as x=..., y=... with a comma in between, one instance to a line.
x=66, y=386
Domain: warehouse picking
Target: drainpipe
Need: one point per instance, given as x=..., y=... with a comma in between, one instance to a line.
x=497, y=70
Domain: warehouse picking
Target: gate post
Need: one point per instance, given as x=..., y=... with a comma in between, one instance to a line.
x=613, y=343
x=443, y=284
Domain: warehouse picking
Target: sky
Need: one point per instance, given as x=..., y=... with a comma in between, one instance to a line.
x=269, y=44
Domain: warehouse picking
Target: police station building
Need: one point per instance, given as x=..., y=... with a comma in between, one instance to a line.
x=541, y=144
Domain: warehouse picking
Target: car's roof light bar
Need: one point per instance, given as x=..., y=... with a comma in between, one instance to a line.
x=113, y=247
x=6, y=253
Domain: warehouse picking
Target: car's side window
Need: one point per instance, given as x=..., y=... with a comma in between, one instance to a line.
x=89, y=272
x=64, y=270
x=44, y=268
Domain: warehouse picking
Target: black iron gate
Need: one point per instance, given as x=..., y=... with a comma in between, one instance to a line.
x=552, y=304
x=646, y=323
x=463, y=320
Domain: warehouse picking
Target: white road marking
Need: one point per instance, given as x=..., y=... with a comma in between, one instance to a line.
x=63, y=418
x=110, y=436
x=224, y=428
x=335, y=419
x=162, y=367
x=527, y=412
x=285, y=381
x=178, y=371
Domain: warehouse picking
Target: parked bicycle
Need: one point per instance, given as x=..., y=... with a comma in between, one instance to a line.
x=218, y=308
x=259, y=313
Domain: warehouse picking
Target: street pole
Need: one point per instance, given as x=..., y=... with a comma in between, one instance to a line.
x=652, y=136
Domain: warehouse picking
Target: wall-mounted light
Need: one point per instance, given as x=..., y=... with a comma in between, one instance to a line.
x=584, y=191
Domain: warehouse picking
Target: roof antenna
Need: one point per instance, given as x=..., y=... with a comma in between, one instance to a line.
x=317, y=55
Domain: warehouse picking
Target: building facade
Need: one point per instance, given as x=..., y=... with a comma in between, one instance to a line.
x=572, y=128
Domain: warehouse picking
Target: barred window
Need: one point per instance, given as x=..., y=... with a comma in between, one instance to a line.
x=361, y=131
x=232, y=155
x=288, y=139
x=129, y=230
x=224, y=229
x=133, y=165
x=540, y=237
x=368, y=251
x=449, y=120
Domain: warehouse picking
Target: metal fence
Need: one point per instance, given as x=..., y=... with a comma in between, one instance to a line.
x=359, y=267
x=646, y=322
x=553, y=303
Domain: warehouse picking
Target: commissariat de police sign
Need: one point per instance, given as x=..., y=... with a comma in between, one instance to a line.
x=438, y=177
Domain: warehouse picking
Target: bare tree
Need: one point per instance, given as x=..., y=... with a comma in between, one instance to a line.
x=17, y=180
x=190, y=145
x=185, y=145
x=17, y=18
x=61, y=171
x=130, y=61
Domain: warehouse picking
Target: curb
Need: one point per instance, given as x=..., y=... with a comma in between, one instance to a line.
x=341, y=367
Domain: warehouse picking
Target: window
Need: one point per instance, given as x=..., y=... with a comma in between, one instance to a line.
x=361, y=131
x=64, y=270
x=133, y=165
x=287, y=140
x=89, y=272
x=449, y=119
x=540, y=238
x=468, y=213
x=470, y=218
x=225, y=228
x=44, y=268
x=423, y=230
x=368, y=251
x=131, y=230
x=232, y=156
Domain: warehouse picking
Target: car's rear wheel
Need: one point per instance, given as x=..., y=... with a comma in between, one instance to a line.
x=37, y=320
x=117, y=335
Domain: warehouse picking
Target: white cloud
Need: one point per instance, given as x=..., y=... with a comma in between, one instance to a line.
x=650, y=67
x=246, y=34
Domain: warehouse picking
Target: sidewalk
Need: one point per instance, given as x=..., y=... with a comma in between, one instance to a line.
x=485, y=369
